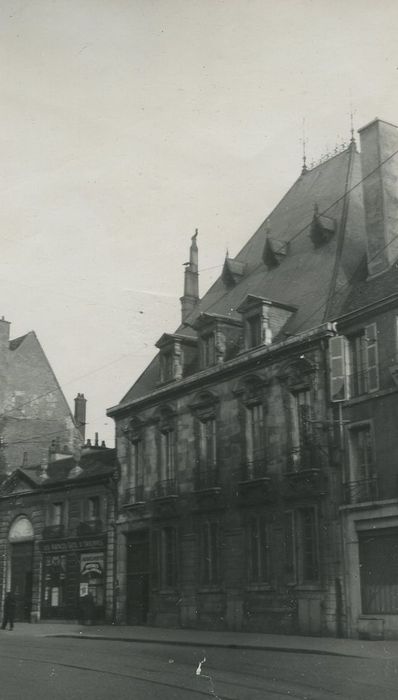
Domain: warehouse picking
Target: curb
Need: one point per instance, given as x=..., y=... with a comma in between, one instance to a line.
x=210, y=645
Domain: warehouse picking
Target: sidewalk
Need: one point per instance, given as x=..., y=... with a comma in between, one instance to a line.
x=207, y=639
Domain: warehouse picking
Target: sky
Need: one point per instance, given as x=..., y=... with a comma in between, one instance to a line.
x=126, y=124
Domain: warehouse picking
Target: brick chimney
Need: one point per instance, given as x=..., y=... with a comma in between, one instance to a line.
x=80, y=414
x=379, y=141
x=191, y=281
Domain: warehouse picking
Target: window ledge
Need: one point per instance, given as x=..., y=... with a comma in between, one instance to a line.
x=376, y=394
x=258, y=587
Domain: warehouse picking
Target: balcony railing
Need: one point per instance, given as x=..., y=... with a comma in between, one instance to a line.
x=254, y=469
x=358, y=383
x=165, y=489
x=207, y=479
x=89, y=527
x=304, y=457
x=51, y=532
x=134, y=495
x=361, y=491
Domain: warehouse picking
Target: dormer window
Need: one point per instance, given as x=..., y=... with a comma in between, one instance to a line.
x=263, y=319
x=170, y=358
x=219, y=338
x=166, y=366
x=254, y=330
x=208, y=347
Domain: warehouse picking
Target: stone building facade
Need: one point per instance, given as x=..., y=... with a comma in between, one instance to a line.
x=33, y=409
x=56, y=537
x=257, y=450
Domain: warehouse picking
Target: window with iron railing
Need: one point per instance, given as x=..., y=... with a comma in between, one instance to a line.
x=255, y=457
x=363, y=357
x=362, y=484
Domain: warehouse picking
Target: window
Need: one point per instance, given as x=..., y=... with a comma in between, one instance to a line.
x=258, y=551
x=254, y=438
x=56, y=514
x=169, y=557
x=210, y=555
x=208, y=446
x=254, y=330
x=164, y=558
x=93, y=508
x=208, y=350
x=338, y=368
x=167, y=455
x=136, y=463
x=166, y=366
x=302, y=444
x=301, y=546
x=363, y=483
x=364, y=361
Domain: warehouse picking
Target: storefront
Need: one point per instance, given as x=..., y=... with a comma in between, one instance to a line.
x=73, y=579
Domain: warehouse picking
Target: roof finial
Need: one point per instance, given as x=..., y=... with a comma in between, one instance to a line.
x=304, y=143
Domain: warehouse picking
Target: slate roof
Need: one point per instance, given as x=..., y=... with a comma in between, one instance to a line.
x=94, y=464
x=16, y=342
x=315, y=279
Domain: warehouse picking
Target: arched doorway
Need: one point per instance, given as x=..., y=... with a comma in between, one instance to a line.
x=20, y=574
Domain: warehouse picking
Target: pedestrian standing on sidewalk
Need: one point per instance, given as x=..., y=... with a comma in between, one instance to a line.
x=9, y=611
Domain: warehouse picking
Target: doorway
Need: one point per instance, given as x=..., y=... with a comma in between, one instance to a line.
x=21, y=579
x=137, y=578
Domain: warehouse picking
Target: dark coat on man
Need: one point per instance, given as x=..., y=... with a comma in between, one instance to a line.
x=9, y=610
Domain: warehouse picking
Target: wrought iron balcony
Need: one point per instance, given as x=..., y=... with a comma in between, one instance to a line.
x=254, y=469
x=358, y=383
x=207, y=479
x=305, y=457
x=134, y=495
x=165, y=489
x=51, y=532
x=89, y=527
x=362, y=490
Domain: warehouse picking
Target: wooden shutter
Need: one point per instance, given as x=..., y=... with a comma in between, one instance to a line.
x=338, y=372
x=372, y=362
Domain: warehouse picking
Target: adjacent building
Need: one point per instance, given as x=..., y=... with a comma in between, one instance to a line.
x=56, y=536
x=33, y=409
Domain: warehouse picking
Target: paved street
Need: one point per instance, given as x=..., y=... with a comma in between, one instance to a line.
x=58, y=667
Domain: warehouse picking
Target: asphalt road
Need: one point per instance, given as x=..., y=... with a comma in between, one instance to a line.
x=74, y=669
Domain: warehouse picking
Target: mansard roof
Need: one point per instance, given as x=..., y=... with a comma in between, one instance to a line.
x=313, y=278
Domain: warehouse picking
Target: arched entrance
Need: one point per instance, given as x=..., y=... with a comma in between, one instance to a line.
x=20, y=573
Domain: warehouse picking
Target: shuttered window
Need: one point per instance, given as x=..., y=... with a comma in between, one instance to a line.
x=338, y=370
x=372, y=357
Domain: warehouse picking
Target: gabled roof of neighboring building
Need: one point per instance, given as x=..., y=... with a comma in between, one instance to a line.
x=313, y=276
x=94, y=464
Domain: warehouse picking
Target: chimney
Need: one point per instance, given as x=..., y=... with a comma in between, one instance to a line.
x=80, y=413
x=191, y=281
x=4, y=334
x=379, y=143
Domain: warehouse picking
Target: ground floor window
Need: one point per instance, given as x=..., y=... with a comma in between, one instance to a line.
x=164, y=558
x=257, y=548
x=301, y=546
x=73, y=583
x=210, y=553
x=378, y=561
